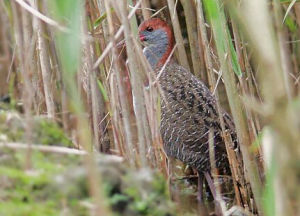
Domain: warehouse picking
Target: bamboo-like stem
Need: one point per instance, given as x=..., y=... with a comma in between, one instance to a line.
x=43, y=148
x=5, y=50
x=55, y=150
x=219, y=28
x=142, y=79
x=246, y=84
x=221, y=206
x=117, y=35
x=103, y=75
x=183, y=60
x=56, y=66
x=232, y=157
x=241, y=127
x=191, y=24
x=145, y=9
x=27, y=93
x=153, y=110
x=36, y=13
x=69, y=67
x=137, y=88
x=282, y=47
x=45, y=67
x=97, y=101
x=276, y=99
x=121, y=90
x=206, y=46
x=29, y=67
x=245, y=89
x=133, y=21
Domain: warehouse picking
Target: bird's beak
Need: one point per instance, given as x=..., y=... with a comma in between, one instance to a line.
x=142, y=37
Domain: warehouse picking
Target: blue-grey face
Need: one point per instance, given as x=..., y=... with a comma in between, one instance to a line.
x=155, y=37
x=156, y=44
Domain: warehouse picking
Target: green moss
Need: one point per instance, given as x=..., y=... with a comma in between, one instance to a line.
x=57, y=183
x=49, y=133
x=44, y=131
x=148, y=193
x=33, y=192
x=14, y=208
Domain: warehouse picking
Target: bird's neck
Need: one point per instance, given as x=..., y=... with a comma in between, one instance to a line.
x=157, y=54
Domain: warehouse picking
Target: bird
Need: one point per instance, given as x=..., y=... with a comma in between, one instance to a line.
x=188, y=108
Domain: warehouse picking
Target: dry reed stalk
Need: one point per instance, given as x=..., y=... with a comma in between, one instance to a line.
x=121, y=94
x=283, y=47
x=152, y=107
x=279, y=113
x=192, y=29
x=244, y=80
x=146, y=9
x=183, y=60
x=219, y=28
x=31, y=60
x=116, y=133
x=4, y=50
x=70, y=63
x=242, y=130
x=21, y=47
x=96, y=101
x=206, y=46
x=220, y=203
x=137, y=84
x=143, y=69
x=42, y=148
x=296, y=58
x=118, y=127
x=63, y=113
x=36, y=13
x=104, y=77
x=233, y=161
x=133, y=19
x=29, y=41
x=252, y=86
x=45, y=67
x=116, y=37
x=152, y=103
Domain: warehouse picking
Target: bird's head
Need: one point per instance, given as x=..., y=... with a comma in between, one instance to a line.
x=157, y=34
x=153, y=31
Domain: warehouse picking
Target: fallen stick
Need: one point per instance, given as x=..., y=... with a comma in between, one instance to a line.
x=43, y=148
x=53, y=149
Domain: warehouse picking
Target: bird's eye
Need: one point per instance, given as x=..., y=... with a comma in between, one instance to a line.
x=149, y=29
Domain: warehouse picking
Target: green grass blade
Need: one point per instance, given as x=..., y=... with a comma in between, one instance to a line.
x=217, y=18
x=103, y=91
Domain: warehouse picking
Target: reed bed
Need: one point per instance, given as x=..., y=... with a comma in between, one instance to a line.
x=60, y=59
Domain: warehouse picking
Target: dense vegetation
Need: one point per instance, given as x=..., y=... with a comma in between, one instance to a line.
x=73, y=141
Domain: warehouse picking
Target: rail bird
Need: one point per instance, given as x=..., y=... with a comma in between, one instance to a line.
x=188, y=108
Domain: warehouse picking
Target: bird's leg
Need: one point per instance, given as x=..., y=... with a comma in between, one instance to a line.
x=169, y=180
x=200, y=187
x=213, y=190
x=210, y=184
x=169, y=165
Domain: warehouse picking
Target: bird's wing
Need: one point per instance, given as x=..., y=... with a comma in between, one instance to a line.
x=194, y=97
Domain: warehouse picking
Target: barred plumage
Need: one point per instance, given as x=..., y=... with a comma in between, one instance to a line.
x=188, y=112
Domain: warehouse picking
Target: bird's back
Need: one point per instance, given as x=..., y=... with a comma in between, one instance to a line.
x=188, y=112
